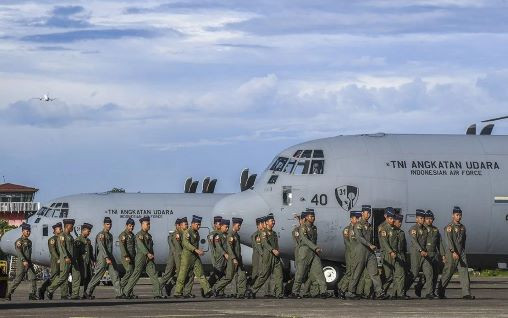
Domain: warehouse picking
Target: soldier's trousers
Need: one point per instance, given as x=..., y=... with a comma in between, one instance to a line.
x=21, y=271
x=169, y=272
x=437, y=268
x=255, y=266
x=63, y=277
x=129, y=269
x=365, y=285
x=54, y=273
x=100, y=268
x=193, y=264
x=399, y=279
x=449, y=269
x=388, y=269
x=311, y=266
x=365, y=261
x=421, y=263
x=343, y=284
x=219, y=268
x=143, y=264
x=233, y=272
x=272, y=266
x=86, y=275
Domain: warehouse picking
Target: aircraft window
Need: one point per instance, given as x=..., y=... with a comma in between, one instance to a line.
x=306, y=154
x=318, y=154
x=279, y=164
x=58, y=205
x=302, y=167
x=297, y=154
x=290, y=166
x=317, y=167
x=65, y=205
x=37, y=220
x=64, y=213
x=47, y=212
x=52, y=205
x=287, y=195
x=42, y=210
x=273, y=179
x=45, y=230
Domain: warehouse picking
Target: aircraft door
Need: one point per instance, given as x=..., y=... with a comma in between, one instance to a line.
x=293, y=200
x=377, y=219
x=203, y=242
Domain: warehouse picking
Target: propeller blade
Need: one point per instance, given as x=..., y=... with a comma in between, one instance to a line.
x=211, y=186
x=204, y=186
x=188, y=183
x=487, y=130
x=250, y=181
x=194, y=186
x=471, y=130
x=243, y=179
x=494, y=119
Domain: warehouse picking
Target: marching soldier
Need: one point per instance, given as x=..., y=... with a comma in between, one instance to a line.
x=145, y=261
x=387, y=253
x=105, y=261
x=435, y=249
x=271, y=262
x=397, y=240
x=257, y=249
x=24, y=265
x=348, y=231
x=420, y=257
x=127, y=241
x=191, y=260
x=221, y=248
x=234, y=269
x=309, y=257
x=55, y=263
x=84, y=255
x=218, y=262
x=67, y=262
x=295, y=234
x=364, y=257
x=455, y=235
x=169, y=272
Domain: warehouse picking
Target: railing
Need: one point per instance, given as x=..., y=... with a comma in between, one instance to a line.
x=19, y=206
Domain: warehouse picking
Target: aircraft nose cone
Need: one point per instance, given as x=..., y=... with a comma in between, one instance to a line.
x=247, y=205
x=7, y=241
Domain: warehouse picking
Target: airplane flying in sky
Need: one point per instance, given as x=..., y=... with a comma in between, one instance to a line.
x=332, y=176
x=45, y=98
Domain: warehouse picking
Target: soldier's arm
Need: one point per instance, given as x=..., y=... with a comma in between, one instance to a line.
x=52, y=248
x=304, y=240
x=264, y=242
x=20, y=254
x=186, y=244
x=101, y=243
x=176, y=248
x=449, y=240
x=218, y=246
x=229, y=247
x=122, y=239
x=360, y=236
x=414, y=241
x=441, y=245
x=257, y=244
x=62, y=249
x=141, y=247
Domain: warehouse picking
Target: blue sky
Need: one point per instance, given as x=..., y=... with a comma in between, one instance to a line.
x=150, y=92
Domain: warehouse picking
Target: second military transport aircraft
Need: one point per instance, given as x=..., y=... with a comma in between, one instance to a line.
x=334, y=176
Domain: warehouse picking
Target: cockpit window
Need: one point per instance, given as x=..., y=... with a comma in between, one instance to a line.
x=56, y=210
x=306, y=154
x=302, y=162
x=302, y=167
x=279, y=164
x=318, y=154
x=317, y=167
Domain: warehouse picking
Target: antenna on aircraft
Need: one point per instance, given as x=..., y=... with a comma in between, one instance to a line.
x=494, y=119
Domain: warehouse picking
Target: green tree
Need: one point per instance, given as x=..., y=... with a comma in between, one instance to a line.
x=117, y=190
x=4, y=227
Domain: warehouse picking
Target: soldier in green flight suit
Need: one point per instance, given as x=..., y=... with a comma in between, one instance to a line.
x=55, y=263
x=105, y=261
x=435, y=248
x=257, y=249
x=221, y=248
x=364, y=258
x=169, y=272
x=127, y=241
x=348, y=231
x=397, y=240
x=270, y=260
x=234, y=269
x=309, y=256
x=24, y=265
x=84, y=255
x=218, y=261
x=420, y=257
x=387, y=253
x=68, y=262
x=145, y=261
x=295, y=235
x=191, y=260
x=455, y=236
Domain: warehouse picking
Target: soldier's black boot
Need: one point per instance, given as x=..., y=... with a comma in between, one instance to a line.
x=208, y=295
x=323, y=295
x=382, y=296
x=469, y=297
x=49, y=295
x=33, y=297
x=88, y=296
x=40, y=293
x=418, y=290
x=352, y=296
x=429, y=296
x=8, y=297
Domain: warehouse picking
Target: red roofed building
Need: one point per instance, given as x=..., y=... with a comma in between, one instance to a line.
x=17, y=203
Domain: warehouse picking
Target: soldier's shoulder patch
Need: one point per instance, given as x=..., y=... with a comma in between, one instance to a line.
x=448, y=229
x=366, y=227
x=123, y=238
x=413, y=232
x=210, y=237
x=62, y=238
x=264, y=234
x=457, y=229
x=101, y=236
x=258, y=239
x=434, y=230
x=346, y=231
x=297, y=234
x=18, y=244
x=359, y=227
x=52, y=241
x=390, y=233
x=187, y=235
x=383, y=233
x=140, y=237
x=177, y=236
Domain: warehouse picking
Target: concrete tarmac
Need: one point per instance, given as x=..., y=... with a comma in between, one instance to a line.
x=491, y=294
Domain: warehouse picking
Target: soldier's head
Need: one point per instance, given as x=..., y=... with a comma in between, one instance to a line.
x=196, y=222
x=429, y=217
x=107, y=223
x=216, y=222
x=420, y=216
x=86, y=228
x=457, y=214
x=366, y=210
x=57, y=228
x=237, y=224
x=389, y=213
x=269, y=221
x=260, y=223
x=129, y=225
x=68, y=225
x=145, y=223
x=184, y=224
x=26, y=230
x=224, y=226
x=354, y=216
x=397, y=220
x=310, y=216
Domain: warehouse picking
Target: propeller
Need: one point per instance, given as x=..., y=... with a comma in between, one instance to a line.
x=471, y=130
x=246, y=181
x=487, y=130
x=206, y=182
x=187, y=185
x=194, y=186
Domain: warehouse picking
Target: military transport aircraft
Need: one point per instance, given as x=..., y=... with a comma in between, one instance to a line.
x=332, y=176
x=45, y=98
